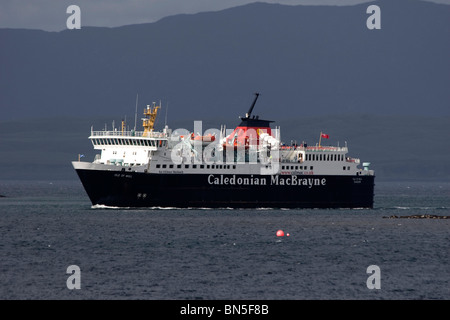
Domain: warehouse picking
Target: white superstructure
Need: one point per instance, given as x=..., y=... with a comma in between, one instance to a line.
x=165, y=152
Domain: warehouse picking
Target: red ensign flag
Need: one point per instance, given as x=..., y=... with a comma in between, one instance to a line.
x=325, y=136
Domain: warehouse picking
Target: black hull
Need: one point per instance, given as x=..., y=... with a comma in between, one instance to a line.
x=133, y=189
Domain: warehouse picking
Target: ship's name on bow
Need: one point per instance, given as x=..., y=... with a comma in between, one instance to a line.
x=276, y=180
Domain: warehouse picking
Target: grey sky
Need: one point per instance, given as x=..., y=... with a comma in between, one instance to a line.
x=50, y=15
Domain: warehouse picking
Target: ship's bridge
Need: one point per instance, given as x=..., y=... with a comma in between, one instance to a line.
x=129, y=138
x=128, y=148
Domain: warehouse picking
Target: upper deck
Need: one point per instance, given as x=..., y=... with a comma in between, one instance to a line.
x=132, y=133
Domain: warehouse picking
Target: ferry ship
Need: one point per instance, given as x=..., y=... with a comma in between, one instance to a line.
x=246, y=167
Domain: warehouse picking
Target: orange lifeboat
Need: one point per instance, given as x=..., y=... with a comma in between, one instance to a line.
x=205, y=139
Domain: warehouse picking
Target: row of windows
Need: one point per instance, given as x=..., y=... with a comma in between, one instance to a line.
x=324, y=157
x=306, y=168
x=296, y=168
x=195, y=166
x=220, y=166
x=129, y=142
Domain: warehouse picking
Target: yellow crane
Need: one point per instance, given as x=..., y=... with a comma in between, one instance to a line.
x=150, y=114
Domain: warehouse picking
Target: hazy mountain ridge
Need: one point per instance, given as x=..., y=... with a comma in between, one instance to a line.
x=309, y=59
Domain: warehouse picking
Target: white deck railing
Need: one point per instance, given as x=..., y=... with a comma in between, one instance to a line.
x=138, y=134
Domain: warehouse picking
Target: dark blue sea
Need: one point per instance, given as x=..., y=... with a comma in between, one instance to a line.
x=170, y=254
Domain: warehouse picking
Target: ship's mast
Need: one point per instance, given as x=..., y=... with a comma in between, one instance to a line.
x=135, y=114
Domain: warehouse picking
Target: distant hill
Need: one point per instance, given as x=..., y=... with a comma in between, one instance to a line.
x=304, y=60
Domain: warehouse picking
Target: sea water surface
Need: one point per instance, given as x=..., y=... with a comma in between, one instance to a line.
x=47, y=226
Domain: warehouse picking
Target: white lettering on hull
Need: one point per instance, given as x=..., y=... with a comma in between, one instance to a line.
x=275, y=180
